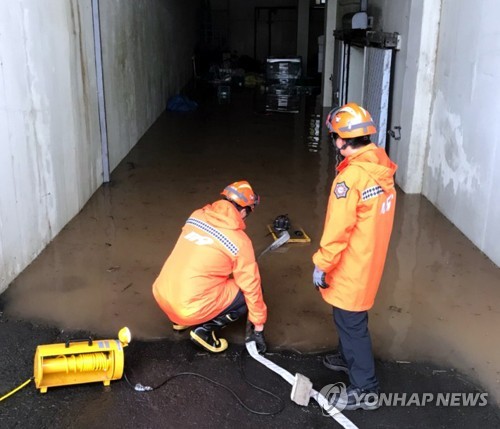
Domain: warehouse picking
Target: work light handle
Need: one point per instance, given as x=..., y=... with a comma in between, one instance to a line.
x=77, y=340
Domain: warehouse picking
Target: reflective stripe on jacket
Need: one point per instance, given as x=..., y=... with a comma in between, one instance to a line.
x=194, y=284
x=357, y=229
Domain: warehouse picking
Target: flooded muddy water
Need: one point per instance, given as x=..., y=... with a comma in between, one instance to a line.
x=439, y=299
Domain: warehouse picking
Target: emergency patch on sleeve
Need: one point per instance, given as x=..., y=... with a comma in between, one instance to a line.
x=340, y=190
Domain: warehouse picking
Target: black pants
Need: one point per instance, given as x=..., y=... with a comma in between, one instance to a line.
x=355, y=346
x=237, y=308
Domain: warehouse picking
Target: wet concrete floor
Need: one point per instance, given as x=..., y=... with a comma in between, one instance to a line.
x=439, y=301
x=189, y=401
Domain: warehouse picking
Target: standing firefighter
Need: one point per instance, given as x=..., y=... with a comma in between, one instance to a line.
x=353, y=248
x=211, y=277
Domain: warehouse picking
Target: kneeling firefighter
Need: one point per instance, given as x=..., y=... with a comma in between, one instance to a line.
x=211, y=278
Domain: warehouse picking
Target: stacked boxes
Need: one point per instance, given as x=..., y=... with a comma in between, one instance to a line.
x=283, y=71
x=281, y=98
x=281, y=79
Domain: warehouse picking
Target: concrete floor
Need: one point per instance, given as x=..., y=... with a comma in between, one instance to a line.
x=439, y=298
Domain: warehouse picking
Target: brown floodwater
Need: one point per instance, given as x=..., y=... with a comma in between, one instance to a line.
x=439, y=299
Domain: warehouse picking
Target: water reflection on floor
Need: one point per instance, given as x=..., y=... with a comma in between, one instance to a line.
x=439, y=298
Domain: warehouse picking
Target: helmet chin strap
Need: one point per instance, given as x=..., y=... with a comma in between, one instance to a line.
x=344, y=146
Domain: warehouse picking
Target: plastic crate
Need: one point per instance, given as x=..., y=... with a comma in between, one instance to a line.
x=283, y=70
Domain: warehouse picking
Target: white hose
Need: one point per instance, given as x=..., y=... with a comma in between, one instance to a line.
x=318, y=397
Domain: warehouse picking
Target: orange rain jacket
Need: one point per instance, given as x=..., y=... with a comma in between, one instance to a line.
x=357, y=229
x=194, y=284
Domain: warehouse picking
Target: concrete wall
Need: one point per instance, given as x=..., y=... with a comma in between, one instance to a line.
x=50, y=161
x=443, y=79
x=331, y=13
x=461, y=171
x=417, y=22
x=147, y=50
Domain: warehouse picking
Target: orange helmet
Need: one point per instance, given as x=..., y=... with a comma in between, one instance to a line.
x=350, y=121
x=242, y=194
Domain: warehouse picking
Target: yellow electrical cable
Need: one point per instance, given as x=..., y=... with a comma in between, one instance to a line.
x=16, y=389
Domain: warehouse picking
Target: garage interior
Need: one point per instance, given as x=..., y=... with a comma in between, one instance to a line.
x=98, y=175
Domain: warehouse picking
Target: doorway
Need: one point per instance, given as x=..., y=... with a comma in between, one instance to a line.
x=362, y=73
x=275, y=32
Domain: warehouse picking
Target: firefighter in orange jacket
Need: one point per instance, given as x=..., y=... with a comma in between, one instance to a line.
x=353, y=248
x=211, y=278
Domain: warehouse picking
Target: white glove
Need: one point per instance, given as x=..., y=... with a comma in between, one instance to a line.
x=319, y=278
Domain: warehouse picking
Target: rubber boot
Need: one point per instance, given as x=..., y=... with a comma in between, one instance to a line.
x=205, y=335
